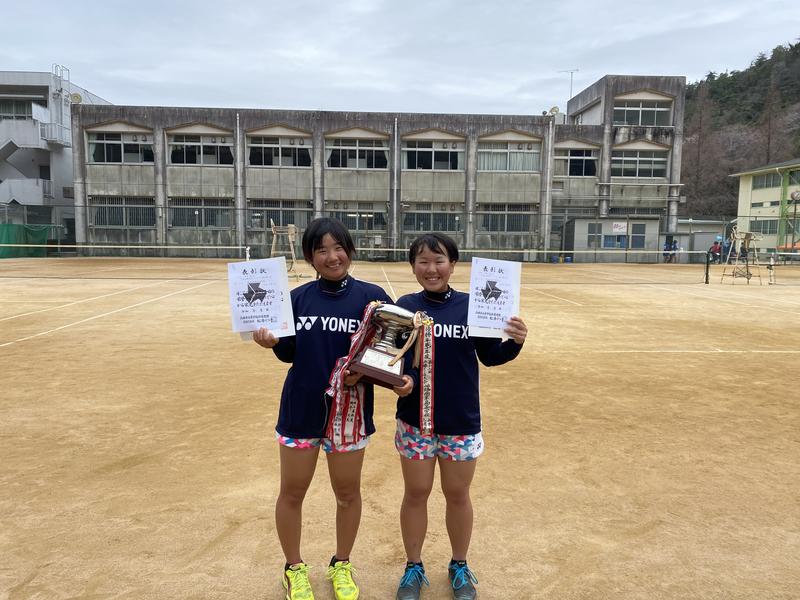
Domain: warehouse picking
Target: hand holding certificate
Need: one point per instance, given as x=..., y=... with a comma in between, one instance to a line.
x=259, y=296
x=493, y=297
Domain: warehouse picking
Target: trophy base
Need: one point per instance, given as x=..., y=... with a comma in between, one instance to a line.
x=374, y=368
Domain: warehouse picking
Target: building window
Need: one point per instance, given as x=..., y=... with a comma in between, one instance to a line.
x=262, y=213
x=122, y=212
x=794, y=177
x=615, y=241
x=361, y=218
x=356, y=154
x=115, y=148
x=575, y=163
x=16, y=109
x=200, y=150
x=768, y=180
x=595, y=231
x=638, y=163
x=279, y=152
x=437, y=156
x=507, y=217
x=638, y=231
x=509, y=156
x=765, y=226
x=209, y=213
x=642, y=112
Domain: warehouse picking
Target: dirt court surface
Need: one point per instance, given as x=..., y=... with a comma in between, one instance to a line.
x=645, y=444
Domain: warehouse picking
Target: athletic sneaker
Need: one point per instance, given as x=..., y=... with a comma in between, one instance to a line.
x=341, y=575
x=411, y=582
x=462, y=580
x=295, y=580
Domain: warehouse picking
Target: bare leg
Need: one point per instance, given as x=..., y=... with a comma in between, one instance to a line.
x=345, y=473
x=456, y=480
x=418, y=480
x=297, y=470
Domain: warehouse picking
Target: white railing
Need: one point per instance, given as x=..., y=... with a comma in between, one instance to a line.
x=56, y=133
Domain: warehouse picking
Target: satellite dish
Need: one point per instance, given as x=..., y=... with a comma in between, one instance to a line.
x=795, y=196
x=554, y=110
x=75, y=98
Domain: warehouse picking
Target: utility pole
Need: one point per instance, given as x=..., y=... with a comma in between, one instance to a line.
x=571, y=73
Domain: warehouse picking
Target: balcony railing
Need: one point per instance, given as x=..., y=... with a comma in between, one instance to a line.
x=56, y=134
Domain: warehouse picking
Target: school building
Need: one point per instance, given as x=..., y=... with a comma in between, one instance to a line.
x=218, y=177
x=769, y=198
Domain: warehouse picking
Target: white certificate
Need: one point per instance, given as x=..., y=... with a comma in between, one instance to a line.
x=493, y=296
x=259, y=296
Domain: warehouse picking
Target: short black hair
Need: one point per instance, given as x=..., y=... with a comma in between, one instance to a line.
x=316, y=230
x=434, y=241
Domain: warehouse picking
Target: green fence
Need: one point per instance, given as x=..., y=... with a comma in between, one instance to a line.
x=23, y=234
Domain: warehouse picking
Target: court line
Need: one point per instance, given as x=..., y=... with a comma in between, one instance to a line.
x=718, y=299
x=36, y=312
x=30, y=337
x=526, y=285
x=391, y=289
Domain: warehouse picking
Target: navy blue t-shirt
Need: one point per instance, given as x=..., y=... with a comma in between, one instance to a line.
x=324, y=323
x=456, y=402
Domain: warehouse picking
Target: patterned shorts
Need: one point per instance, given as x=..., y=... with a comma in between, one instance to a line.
x=411, y=444
x=327, y=445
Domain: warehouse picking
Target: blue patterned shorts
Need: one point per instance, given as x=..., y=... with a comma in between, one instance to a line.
x=411, y=444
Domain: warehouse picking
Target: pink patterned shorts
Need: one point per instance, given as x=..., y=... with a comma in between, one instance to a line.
x=326, y=444
x=411, y=444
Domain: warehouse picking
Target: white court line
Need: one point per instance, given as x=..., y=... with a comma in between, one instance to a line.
x=527, y=286
x=35, y=312
x=391, y=289
x=35, y=335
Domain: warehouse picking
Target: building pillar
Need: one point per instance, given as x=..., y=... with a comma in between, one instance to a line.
x=394, y=217
x=604, y=193
x=160, y=171
x=674, y=193
x=318, y=162
x=471, y=193
x=80, y=198
x=239, y=196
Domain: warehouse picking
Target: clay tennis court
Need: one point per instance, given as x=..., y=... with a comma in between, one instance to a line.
x=644, y=445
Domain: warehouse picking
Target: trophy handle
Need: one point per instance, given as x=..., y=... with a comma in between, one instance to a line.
x=411, y=339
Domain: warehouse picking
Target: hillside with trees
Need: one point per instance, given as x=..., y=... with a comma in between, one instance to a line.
x=736, y=121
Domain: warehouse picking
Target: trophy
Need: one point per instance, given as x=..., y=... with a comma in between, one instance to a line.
x=380, y=362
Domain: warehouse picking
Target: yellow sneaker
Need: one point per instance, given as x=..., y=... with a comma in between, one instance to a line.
x=296, y=583
x=341, y=575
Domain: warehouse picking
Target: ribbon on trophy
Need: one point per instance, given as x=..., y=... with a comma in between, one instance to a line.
x=423, y=359
x=346, y=420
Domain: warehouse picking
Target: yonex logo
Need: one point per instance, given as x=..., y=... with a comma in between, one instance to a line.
x=305, y=322
x=332, y=324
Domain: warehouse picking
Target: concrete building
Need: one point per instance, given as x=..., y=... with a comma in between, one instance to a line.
x=769, y=204
x=168, y=176
x=36, y=147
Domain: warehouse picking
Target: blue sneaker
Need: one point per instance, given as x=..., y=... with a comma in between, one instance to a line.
x=411, y=582
x=462, y=580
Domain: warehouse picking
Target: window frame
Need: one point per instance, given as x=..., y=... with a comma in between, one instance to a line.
x=117, y=142
x=369, y=147
x=286, y=147
x=576, y=159
x=622, y=159
x=428, y=150
x=201, y=145
x=131, y=212
x=494, y=150
x=638, y=108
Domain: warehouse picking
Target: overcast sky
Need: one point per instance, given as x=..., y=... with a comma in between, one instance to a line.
x=449, y=56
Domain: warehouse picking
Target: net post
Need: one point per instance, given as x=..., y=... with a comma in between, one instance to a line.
x=708, y=267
